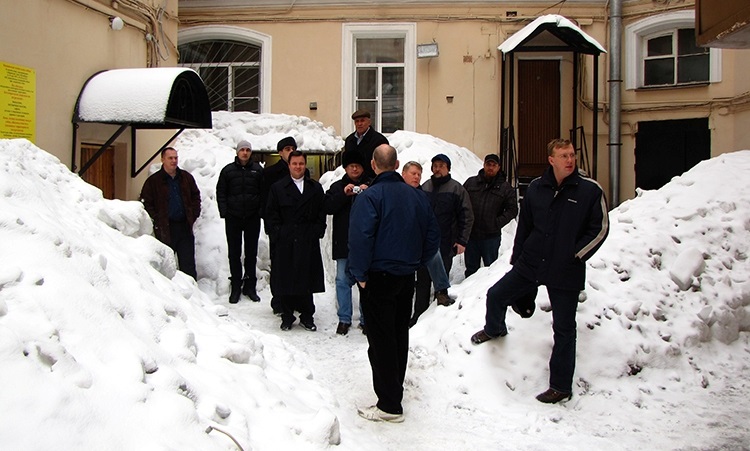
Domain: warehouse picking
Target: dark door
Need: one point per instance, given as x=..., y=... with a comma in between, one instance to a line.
x=101, y=174
x=665, y=149
x=538, y=113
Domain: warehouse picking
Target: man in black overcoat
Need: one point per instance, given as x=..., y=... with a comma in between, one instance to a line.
x=295, y=221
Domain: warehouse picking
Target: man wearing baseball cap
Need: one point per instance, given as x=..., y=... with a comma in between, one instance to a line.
x=494, y=204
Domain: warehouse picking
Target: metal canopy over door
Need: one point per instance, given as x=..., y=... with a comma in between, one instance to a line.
x=538, y=113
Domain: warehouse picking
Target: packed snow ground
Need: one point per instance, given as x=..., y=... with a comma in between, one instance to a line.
x=104, y=345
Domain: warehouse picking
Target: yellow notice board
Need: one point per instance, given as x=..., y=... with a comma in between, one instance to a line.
x=17, y=102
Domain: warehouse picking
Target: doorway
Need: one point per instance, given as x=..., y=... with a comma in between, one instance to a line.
x=101, y=174
x=665, y=149
x=538, y=113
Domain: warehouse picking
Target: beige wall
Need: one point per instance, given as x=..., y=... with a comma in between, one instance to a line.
x=310, y=39
x=65, y=42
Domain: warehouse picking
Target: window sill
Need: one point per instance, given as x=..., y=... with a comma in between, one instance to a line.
x=679, y=86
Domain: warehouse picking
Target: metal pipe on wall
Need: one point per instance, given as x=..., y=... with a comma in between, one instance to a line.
x=615, y=86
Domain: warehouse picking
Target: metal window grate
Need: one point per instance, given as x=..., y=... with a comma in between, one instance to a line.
x=229, y=69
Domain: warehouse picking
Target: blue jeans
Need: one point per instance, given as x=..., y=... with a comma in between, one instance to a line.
x=564, y=304
x=344, y=283
x=439, y=276
x=485, y=249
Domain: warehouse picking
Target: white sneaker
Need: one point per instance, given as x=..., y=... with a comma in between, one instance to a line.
x=373, y=413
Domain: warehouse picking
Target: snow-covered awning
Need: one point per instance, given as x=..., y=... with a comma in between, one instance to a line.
x=164, y=97
x=550, y=33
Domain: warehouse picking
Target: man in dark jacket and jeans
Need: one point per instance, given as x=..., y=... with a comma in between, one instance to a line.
x=338, y=202
x=392, y=232
x=563, y=221
x=452, y=207
x=172, y=200
x=238, y=194
x=494, y=204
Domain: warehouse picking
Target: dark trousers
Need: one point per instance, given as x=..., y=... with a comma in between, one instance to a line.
x=386, y=302
x=485, y=250
x=300, y=303
x=564, y=304
x=424, y=282
x=237, y=229
x=182, y=242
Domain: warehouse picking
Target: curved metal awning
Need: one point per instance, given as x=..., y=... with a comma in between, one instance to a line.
x=551, y=33
x=141, y=98
x=157, y=98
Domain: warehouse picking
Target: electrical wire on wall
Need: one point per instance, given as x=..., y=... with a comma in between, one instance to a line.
x=155, y=36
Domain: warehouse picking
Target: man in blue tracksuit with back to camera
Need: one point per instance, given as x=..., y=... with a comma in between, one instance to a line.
x=563, y=221
x=392, y=232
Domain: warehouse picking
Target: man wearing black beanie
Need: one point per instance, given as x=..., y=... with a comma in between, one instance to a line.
x=271, y=175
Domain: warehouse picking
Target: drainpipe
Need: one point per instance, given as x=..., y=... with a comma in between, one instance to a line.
x=615, y=86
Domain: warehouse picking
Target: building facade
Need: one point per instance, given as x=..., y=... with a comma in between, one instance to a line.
x=427, y=66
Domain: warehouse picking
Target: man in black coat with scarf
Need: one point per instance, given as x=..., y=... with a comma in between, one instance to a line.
x=364, y=140
x=295, y=222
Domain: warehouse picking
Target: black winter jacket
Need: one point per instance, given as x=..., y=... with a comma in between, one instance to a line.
x=493, y=202
x=238, y=191
x=559, y=228
x=339, y=205
x=452, y=208
x=366, y=147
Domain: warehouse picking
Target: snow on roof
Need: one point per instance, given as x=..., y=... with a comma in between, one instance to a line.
x=512, y=42
x=128, y=95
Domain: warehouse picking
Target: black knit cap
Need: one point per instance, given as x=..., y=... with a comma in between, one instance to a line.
x=352, y=156
x=442, y=157
x=288, y=141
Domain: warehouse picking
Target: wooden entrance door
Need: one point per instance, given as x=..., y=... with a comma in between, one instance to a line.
x=538, y=113
x=101, y=174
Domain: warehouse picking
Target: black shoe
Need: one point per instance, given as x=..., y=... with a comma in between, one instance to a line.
x=364, y=329
x=286, y=326
x=482, y=336
x=248, y=289
x=234, y=296
x=552, y=396
x=343, y=328
x=309, y=325
x=442, y=298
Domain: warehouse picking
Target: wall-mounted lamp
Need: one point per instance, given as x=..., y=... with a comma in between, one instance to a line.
x=116, y=23
x=449, y=99
x=427, y=50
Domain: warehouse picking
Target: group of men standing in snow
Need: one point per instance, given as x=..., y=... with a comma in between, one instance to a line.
x=392, y=231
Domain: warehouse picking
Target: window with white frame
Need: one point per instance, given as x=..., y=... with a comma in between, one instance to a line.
x=378, y=66
x=661, y=52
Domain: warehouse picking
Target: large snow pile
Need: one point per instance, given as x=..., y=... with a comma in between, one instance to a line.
x=103, y=345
